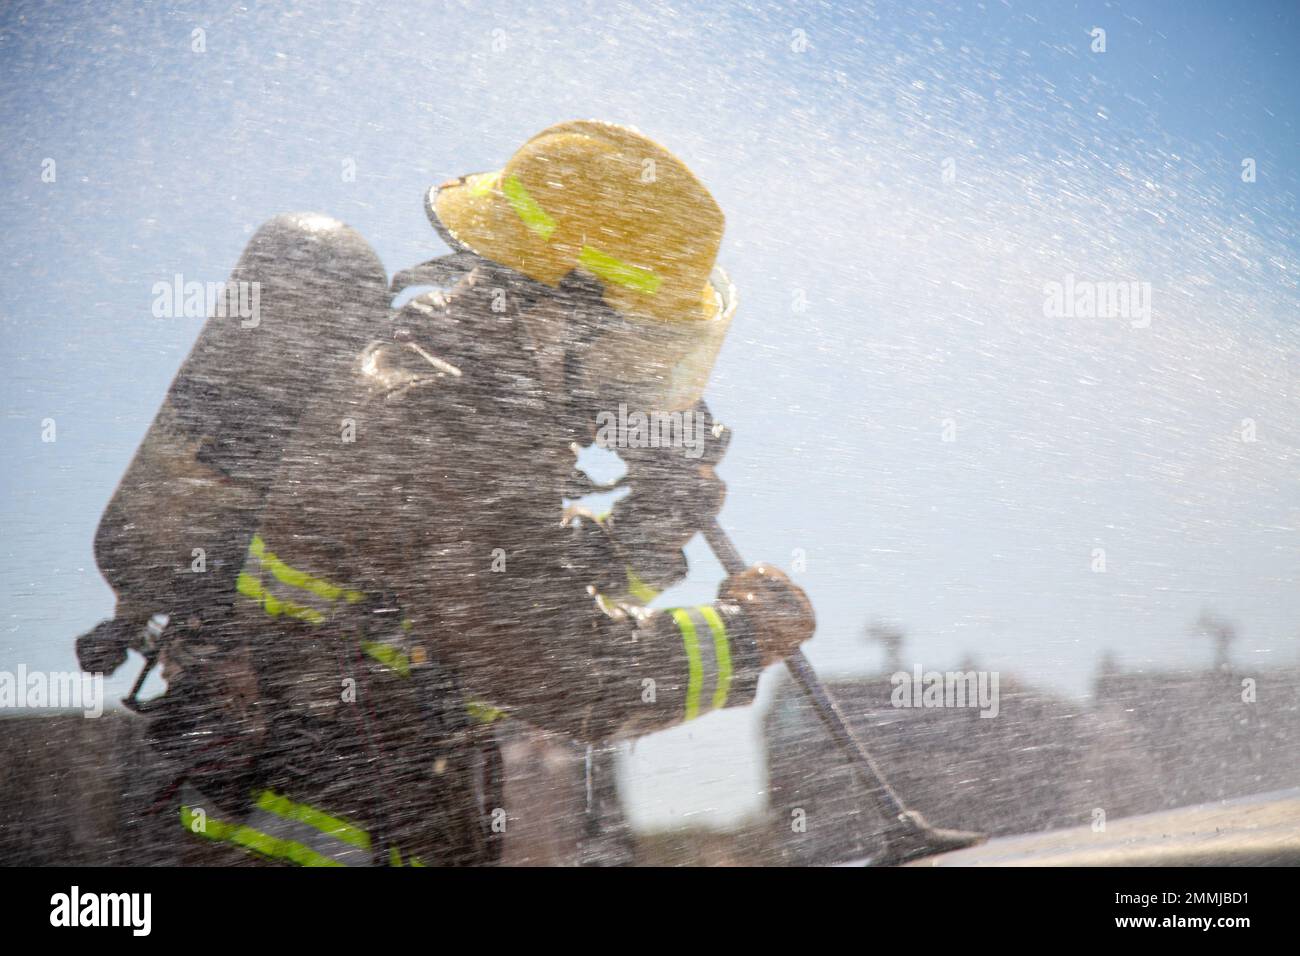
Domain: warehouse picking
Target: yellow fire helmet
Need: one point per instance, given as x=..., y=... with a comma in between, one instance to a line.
x=612, y=203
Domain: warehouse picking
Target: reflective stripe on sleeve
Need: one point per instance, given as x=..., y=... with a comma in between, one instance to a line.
x=708, y=661
x=691, y=642
x=639, y=589
x=722, y=653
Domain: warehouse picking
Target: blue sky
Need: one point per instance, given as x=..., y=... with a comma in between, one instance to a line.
x=923, y=296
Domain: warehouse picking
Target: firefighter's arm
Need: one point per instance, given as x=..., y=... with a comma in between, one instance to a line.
x=509, y=599
x=557, y=654
x=552, y=652
x=674, y=493
x=483, y=567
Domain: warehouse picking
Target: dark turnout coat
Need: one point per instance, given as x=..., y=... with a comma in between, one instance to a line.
x=411, y=578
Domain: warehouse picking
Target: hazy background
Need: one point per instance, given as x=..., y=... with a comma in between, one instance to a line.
x=924, y=298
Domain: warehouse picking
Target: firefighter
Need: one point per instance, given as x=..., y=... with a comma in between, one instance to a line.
x=412, y=576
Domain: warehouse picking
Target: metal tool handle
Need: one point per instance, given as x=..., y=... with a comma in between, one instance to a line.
x=828, y=709
x=890, y=806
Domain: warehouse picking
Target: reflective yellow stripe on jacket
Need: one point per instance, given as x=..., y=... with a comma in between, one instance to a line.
x=285, y=831
x=283, y=590
x=280, y=829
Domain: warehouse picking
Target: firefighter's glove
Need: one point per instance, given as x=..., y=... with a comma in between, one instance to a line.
x=777, y=609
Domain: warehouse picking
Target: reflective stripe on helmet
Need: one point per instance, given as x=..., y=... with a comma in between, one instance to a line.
x=600, y=264
x=527, y=209
x=483, y=183
x=709, y=659
x=611, y=269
